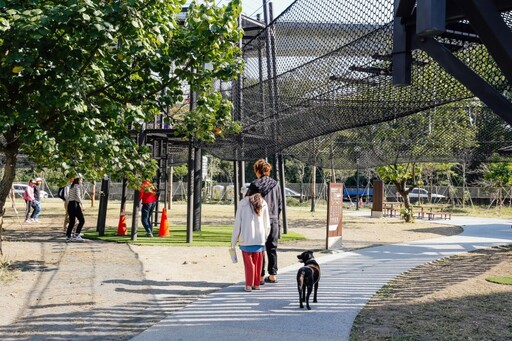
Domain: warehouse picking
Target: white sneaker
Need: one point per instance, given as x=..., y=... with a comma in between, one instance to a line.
x=28, y=221
x=79, y=239
x=37, y=220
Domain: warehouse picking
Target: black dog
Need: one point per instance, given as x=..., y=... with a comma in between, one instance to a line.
x=307, y=277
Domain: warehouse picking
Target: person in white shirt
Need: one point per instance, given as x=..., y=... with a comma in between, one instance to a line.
x=75, y=210
x=250, y=230
x=66, y=195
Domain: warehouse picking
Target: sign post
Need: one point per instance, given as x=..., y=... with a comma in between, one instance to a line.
x=334, y=216
x=378, y=198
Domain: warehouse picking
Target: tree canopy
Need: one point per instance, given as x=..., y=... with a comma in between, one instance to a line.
x=78, y=77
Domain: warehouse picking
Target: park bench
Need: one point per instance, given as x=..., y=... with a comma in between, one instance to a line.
x=391, y=209
x=437, y=211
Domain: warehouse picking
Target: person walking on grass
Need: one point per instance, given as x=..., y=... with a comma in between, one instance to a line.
x=75, y=211
x=271, y=193
x=250, y=230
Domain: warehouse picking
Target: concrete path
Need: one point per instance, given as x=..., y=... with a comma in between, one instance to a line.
x=349, y=280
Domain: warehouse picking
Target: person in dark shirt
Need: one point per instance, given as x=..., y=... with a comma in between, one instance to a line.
x=271, y=192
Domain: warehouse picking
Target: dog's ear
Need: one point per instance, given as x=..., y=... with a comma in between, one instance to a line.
x=310, y=254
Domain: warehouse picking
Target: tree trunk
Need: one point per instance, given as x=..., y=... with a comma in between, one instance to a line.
x=169, y=188
x=5, y=185
x=301, y=178
x=463, y=184
x=408, y=214
x=313, y=187
x=93, y=193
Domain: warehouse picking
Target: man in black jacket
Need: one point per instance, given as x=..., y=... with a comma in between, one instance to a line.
x=271, y=192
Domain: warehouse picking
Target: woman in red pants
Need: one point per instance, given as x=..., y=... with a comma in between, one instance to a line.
x=251, y=228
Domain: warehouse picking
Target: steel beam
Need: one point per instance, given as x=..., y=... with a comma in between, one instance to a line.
x=488, y=23
x=402, y=55
x=476, y=84
x=404, y=8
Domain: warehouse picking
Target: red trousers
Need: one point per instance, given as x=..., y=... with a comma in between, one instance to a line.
x=253, y=262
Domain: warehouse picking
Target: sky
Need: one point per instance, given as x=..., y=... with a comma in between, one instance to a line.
x=253, y=7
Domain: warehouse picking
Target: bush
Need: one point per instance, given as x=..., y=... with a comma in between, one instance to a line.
x=293, y=202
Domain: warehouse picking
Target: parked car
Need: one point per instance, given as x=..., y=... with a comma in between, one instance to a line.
x=417, y=193
x=19, y=189
x=291, y=193
x=288, y=191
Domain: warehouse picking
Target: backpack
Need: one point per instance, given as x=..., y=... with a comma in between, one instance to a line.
x=61, y=193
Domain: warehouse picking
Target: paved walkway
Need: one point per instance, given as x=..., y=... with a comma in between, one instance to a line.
x=349, y=280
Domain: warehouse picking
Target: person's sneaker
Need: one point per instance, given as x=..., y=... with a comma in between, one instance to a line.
x=28, y=221
x=70, y=239
x=37, y=220
x=150, y=235
x=79, y=239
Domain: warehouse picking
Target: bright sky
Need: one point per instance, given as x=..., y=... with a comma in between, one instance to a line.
x=253, y=7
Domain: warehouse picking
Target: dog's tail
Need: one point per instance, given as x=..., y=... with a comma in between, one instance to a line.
x=301, y=279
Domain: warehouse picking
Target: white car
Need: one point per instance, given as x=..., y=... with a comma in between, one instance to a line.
x=289, y=192
x=417, y=193
x=19, y=189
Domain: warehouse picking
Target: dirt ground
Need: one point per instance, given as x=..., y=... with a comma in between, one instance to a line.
x=104, y=291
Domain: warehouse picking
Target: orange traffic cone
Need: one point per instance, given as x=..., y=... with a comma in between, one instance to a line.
x=164, y=225
x=121, y=227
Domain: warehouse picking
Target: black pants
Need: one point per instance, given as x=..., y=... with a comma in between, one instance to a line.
x=75, y=212
x=271, y=248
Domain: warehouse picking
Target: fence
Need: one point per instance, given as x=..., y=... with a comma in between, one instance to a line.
x=224, y=192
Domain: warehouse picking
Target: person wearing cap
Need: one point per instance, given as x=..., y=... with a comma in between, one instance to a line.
x=28, y=196
x=36, y=204
x=75, y=211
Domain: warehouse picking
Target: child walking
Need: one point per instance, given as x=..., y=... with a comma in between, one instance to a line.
x=251, y=228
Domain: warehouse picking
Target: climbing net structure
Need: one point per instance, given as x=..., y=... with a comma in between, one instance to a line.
x=320, y=84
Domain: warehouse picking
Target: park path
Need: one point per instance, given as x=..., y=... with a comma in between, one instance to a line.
x=349, y=280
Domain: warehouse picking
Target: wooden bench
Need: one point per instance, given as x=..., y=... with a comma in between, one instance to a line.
x=431, y=212
x=391, y=209
x=440, y=214
x=419, y=211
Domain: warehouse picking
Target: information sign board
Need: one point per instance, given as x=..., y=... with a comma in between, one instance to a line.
x=334, y=215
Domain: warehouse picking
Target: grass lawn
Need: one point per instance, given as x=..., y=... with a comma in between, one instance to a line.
x=208, y=236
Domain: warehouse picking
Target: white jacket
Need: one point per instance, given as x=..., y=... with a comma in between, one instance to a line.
x=249, y=228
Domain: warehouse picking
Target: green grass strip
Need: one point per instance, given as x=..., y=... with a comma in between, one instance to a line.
x=208, y=236
x=500, y=280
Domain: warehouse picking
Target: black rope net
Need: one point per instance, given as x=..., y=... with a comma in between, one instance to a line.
x=317, y=86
